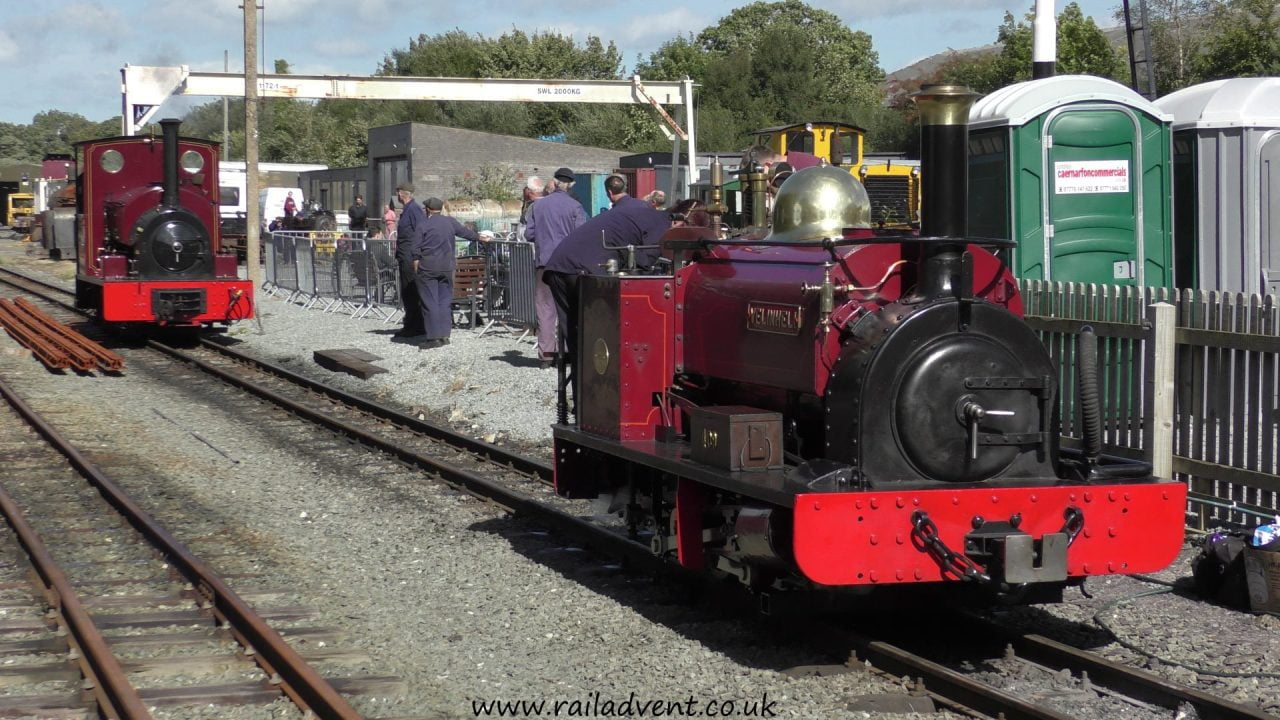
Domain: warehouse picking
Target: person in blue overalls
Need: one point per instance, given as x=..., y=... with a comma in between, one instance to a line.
x=434, y=261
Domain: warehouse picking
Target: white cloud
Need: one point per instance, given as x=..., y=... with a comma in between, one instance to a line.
x=854, y=11
x=8, y=48
x=341, y=46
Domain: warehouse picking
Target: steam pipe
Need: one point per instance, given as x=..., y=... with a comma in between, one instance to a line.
x=944, y=171
x=1044, y=48
x=758, y=184
x=170, y=127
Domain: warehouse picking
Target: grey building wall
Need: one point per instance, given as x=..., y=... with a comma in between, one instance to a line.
x=436, y=158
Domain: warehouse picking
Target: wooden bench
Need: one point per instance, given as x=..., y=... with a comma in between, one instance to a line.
x=468, y=288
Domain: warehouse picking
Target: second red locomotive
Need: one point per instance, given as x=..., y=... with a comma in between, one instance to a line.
x=148, y=247
x=819, y=406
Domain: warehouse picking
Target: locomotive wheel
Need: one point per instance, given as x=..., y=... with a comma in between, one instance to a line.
x=326, y=222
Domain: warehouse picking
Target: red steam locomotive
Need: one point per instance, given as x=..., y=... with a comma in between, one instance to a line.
x=148, y=248
x=818, y=406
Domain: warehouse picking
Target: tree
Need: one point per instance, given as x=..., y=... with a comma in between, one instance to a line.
x=843, y=57
x=1176, y=28
x=1243, y=40
x=489, y=182
x=770, y=63
x=512, y=55
x=1083, y=49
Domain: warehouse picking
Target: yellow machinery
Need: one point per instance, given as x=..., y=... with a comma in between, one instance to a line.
x=892, y=183
x=22, y=210
x=838, y=143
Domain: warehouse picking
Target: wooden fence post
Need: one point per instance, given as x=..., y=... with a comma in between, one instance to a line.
x=1157, y=429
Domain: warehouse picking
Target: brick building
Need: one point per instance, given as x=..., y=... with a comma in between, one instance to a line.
x=436, y=158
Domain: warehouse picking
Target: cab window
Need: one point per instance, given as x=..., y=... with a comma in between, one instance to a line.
x=800, y=141
x=844, y=148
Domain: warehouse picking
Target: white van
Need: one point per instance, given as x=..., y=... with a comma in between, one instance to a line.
x=271, y=202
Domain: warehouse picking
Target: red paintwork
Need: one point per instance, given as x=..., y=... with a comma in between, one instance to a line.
x=135, y=190
x=716, y=292
x=131, y=301
x=640, y=181
x=690, y=498
x=54, y=169
x=647, y=354
x=866, y=538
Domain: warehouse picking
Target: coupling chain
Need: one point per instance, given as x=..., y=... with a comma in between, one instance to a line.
x=958, y=563
x=1073, y=523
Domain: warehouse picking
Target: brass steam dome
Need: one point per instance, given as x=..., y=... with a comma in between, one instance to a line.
x=817, y=203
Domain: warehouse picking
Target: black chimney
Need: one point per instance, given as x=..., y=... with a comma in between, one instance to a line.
x=944, y=173
x=170, y=127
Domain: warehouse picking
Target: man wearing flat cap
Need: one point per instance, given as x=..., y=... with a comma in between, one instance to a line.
x=550, y=220
x=434, y=260
x=408, y=231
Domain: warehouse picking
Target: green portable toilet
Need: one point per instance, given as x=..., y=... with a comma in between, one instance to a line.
x=1076, y=170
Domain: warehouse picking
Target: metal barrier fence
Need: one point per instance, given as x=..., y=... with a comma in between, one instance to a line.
x=509, y=288
x=347, y=271
x=1220, y=361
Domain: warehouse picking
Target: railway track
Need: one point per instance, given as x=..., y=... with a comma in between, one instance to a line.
x=149, y=626
x=521, y=486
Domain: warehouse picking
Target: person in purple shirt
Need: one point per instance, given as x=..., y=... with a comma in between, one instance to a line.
x=549, y=221
x=631, y=221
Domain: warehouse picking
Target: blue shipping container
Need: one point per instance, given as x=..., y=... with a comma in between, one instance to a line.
x=589, y=190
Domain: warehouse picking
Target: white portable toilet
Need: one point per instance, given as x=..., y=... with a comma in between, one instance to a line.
x=1226, y=138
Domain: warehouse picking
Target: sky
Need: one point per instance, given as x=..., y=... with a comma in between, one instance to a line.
x=67, y=54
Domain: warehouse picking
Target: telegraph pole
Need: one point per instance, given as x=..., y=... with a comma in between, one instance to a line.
x=226, y=124
x=252, y=212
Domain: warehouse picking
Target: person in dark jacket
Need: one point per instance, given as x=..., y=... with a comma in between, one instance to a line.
x=586, y=250
x=434, y=260
x=357, y=214
x=408, y=229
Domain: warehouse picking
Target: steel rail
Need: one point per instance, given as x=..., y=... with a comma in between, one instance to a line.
x=79, y=359
x=51, y=355
x=116, y=696
x=489, y=451
x=515, y=502
x=944, y=682
x=1133, y=682
x=106, y=359
x=298, y=680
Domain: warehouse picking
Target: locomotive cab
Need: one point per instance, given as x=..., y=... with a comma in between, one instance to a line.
x=820, y=406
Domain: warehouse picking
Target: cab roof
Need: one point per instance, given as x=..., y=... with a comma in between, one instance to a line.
x=800, y=125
